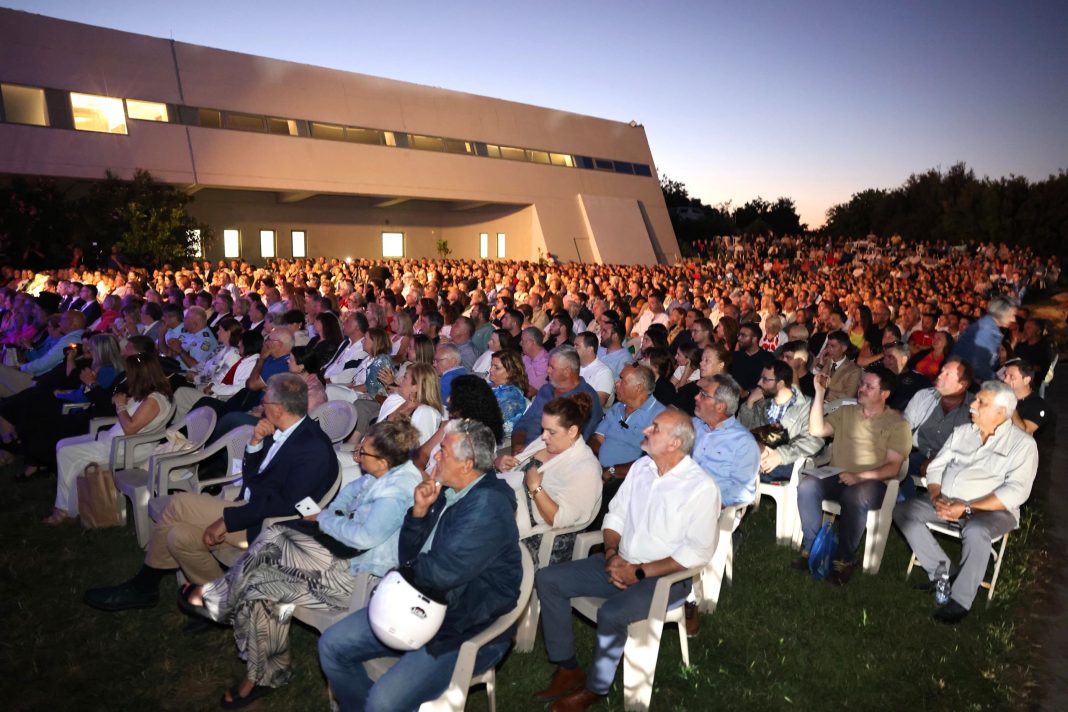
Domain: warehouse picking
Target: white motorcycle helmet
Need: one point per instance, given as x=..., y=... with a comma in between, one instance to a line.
x=402, y=617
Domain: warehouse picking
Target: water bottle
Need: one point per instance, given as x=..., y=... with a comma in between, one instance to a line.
x=942, y=590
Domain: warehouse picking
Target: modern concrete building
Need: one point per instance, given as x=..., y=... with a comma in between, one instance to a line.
x=288, y=159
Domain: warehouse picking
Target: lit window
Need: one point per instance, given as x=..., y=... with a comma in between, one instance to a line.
x=391, y=138
x=98, y=113
x=538, y=157
x=393, y=244
x=210, y=118
x=562, y=159
x=369, y=136
x=24, y=105
x=267, y=243
x=426, y=143
x=493, y=151
x=195, y=242
x=483, y=245
x=284, y=127
x=513, y=154
x=453, y=145
x=500, y=245
x=300, y=248
x=146, y=110
x=231, y=243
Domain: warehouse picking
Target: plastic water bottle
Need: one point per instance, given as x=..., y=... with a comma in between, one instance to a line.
x=942, y=589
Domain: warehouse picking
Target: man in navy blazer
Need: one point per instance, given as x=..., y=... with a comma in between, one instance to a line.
x=288, y=458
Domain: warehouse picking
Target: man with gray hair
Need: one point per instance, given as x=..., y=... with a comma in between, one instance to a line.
x=460, y=336
x=662, y=520
x=977, y=483
x=460, y=539
x=563, y=380
x=195, y=344
x=288, y=458
x=448, y=365
x=979, y=343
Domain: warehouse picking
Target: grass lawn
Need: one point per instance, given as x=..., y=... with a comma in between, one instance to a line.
x=778, y=640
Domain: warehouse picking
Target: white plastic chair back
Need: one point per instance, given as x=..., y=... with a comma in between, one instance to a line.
x=722, y=563
x=785, y=496
x=337, y=419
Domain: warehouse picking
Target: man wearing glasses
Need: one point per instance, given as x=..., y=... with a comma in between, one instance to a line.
x=777, y=401
x=288, y=458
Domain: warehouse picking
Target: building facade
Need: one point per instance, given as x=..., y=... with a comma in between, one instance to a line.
x=286, y=159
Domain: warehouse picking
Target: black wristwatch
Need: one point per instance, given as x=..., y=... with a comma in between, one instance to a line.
x=639, y=573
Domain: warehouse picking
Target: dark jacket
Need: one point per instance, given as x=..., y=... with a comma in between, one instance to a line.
x=305, y=466
x=474, y=559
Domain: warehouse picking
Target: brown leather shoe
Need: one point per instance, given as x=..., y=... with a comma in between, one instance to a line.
x=579, y=701
x=564, y=681
x=693, y=620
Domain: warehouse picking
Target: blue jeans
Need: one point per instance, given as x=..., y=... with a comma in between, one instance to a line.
x=417, y=677
x=558, y=584
x=856, y=501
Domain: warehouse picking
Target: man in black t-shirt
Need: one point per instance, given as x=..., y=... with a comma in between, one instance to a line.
x=749, y=360
x=1031, y=410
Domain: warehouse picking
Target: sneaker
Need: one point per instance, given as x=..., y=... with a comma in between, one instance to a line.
x=693, y=620
x=801, y=562
x=843, y=571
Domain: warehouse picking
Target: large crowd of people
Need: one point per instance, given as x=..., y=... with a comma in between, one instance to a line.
x=498, y=400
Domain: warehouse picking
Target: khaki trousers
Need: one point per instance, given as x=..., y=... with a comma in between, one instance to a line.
x=177, y=538
x=13, y=380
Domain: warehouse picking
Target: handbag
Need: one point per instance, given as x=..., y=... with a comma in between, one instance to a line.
x=175, y=442
x=821, y=557
x=335, y=547
x=98, y=499
x=771, y=435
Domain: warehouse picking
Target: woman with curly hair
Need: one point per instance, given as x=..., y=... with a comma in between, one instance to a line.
x=509, y=380
x=471, y=399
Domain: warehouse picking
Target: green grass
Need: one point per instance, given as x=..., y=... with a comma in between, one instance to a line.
x=778, y=640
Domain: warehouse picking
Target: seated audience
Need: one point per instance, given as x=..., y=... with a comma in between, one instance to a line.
x=1030, y=413
x=778, y=402
x=564, y=380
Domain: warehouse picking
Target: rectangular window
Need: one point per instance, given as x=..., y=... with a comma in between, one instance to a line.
x=426, y=143
x=640, y=169
x=146, y=110
x=330, y=132
x=209, y=118
x=393, y=244
x=562, y=159
x=538, y=157
x=98, y=113
x=368, y=136
x=267, y=243
x=300, y=246
x=282, y=127
x=584, y=161
x=194, y=241
x=24, y=105
x=231, y=243
x=513, y=154
x=453, y=145
x=602, y=164
x=483, y=245
x=623, y=167
x=493, y=151
x=244, y=122
x=500, y=245
x=391, y=138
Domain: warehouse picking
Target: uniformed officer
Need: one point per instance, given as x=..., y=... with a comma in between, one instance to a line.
x=195, y=344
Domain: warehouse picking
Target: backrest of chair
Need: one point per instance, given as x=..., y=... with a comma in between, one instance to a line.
x=199, y=425
x=337, y=418
x=236, y=440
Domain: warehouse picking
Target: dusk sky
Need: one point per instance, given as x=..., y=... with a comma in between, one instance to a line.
x=811, y=100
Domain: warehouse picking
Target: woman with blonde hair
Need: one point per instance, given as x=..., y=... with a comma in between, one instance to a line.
x=421, y=389
x=402, y=334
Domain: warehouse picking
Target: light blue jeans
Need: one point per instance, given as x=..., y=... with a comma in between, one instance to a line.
x=417, y=677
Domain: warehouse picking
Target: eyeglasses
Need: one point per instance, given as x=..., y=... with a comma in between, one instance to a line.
x=364, y=452
x=705, y=394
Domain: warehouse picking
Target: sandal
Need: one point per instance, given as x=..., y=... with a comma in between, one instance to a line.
x=58, y=516
x=187, y=606
x=236, y=701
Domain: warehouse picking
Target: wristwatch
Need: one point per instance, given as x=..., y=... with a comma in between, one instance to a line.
x=639, y=573
x=534, y=492
x=967, y=509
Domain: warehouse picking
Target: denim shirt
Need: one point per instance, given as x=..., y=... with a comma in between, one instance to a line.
x=368, y=514
x=729, y=454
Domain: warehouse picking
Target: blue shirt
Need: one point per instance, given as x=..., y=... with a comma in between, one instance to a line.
x=978, y=345
x=731, y=456
x=623, y=444
x=615, y=360
x=530, y=422
x=273, y=365
x=368, y=514
x=54, y=356
x=446, y=381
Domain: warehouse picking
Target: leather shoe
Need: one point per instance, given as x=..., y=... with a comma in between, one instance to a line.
x=577, y=701
x=693, y=620
x=120, y=598
x=564, y=681
x=842, y=572
x=951, y=614
x=800, y=563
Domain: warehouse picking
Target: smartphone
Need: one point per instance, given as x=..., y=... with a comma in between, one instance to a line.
x=308, y=507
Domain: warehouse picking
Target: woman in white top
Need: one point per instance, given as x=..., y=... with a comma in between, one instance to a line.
x=212, y=370
x=561, y=476
x=147, y=407
x=421, y=389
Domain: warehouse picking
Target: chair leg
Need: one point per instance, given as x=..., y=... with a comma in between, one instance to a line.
x=998, y=558
x=142, y=523
x=491, y=689
x=639, y=663
x=528, y=625
x=684, y=643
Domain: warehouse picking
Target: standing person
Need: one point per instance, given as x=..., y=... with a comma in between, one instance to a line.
x=979, y=343
x=665, y=487
x=479, y=576
x=979, y=480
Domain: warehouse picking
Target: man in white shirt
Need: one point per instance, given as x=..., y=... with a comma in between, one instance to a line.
x=978, y=480
x=654, y=314
x=662, y=520
x=593, y=370
x=340, y=368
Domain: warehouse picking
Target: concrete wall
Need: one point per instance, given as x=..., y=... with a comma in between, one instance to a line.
x=44, y=52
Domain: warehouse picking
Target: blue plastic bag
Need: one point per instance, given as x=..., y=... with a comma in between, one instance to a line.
x=821, y=558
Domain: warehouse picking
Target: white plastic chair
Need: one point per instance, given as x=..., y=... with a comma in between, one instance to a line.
x=135, y=482
x=643, y=637
x=785, y=496
x=337, y=418
x=997, y=552
x=463, y=676
x=721, y=566
x=877, y=526
x=528, y=625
